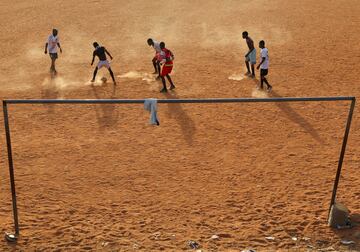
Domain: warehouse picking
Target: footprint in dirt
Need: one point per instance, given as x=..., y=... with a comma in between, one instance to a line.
x=138, y=75
x=236, y=77
x=258, y=93
x=97, y=83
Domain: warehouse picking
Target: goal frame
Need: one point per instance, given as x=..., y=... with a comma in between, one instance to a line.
x=13, y=237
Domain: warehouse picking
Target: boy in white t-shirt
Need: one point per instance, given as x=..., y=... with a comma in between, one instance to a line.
x=157, y=58
x=51, y=46
x=264, y=65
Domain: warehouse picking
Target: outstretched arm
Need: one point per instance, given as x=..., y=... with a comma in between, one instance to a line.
x=46, y=46
x=58, y=44
x=107, y=52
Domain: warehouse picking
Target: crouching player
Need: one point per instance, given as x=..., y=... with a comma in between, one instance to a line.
x=101, y=52
x=155, y=60
x=167, y=58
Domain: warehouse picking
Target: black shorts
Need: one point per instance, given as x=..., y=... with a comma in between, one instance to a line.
x=263, y=72
x=53, y=55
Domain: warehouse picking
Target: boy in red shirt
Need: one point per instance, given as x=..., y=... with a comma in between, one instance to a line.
x=167, y=58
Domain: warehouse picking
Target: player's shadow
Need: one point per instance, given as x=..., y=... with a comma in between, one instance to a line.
x=297, y=118
x=186, y=123
x=106, y=114
x=50, y=91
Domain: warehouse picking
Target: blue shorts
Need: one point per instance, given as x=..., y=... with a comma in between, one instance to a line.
x=251, y=57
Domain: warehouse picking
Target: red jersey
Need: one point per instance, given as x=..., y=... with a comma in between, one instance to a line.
x=168, y=56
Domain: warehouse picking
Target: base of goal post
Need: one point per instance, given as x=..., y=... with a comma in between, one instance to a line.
x=339, y=216
x=10, y=237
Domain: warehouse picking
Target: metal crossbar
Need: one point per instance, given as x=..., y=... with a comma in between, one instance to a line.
x=136, y=101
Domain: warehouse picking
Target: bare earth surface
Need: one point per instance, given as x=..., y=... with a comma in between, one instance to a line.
x=100, y=178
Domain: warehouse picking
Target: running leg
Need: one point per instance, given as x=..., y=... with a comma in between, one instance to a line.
x=269, y=87
x=247, y=66
x=253, y=70
x=172, y=86
x=164, y=90
x=52, y=68
x=158, y=69
x=95, y=72
x=155, y=66
x=112, y=75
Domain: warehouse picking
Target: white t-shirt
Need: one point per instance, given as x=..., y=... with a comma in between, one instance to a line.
x=264, y=53
x=157, y=46
x=52, y=43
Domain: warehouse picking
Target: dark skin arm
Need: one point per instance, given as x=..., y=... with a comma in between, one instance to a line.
x=92, y=62
x=58, y=44
x=262, y=61
x=106, y=51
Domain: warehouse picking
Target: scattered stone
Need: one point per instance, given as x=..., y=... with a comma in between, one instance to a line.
x=294, y=238
x=214, y=237
x=104, y=244
x=193, y=244
x=328, y=249
x=156, y=235
x=248, y=250
x=347, y=242
x=270, y=238
x=306, y=238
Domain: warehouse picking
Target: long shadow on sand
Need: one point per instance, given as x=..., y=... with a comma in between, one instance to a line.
x=186, y=123
x=297, y=118
x=49, y=91
x=106, y=113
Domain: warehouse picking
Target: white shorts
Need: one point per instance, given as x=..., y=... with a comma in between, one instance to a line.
x=103, y=63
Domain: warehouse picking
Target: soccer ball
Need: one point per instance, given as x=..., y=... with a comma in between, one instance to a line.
x=103, y=80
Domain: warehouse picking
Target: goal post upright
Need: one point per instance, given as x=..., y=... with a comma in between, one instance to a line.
x=342, y=153
x=138, y=101
x=11, y=167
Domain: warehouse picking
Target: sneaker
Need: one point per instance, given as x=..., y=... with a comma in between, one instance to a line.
x=252, y=75
x=247, y=73
x=172, y=87
x=158, y=77
x=164, y=90
x=93, y=80
x=269, y=89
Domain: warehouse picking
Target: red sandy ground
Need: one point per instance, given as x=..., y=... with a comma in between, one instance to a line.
x=100, y=178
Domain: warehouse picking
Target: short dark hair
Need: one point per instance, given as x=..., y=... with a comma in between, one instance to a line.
x=150, y=41
x=245, y=33
x=95, y=44
x=262, y=42
x=162, y=45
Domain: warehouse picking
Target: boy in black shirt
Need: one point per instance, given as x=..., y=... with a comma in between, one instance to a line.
x=101, y=52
